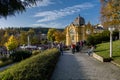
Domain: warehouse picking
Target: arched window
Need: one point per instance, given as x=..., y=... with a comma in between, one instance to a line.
x=72, y=34
x=72, y=31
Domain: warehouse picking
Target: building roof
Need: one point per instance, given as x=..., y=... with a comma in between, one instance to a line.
x=79, y=21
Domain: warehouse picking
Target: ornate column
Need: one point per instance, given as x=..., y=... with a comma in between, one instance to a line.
x=67, y=37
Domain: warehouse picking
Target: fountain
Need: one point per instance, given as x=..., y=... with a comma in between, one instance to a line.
x=29, y=46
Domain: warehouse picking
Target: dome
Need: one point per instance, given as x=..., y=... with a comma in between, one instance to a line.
x=79, y=21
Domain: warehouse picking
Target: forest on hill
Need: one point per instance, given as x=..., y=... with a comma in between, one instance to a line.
x=36, y=29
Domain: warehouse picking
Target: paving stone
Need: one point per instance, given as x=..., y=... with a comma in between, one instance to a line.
x=80, y=66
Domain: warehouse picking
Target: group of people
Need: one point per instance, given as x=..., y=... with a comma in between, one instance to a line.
x=77, y=47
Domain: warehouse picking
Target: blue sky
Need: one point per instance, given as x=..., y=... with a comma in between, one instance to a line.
x=55, y=13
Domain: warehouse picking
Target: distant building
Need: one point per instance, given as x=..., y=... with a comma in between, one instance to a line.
x=43, y=36
x=78, y=31
x=98, y=29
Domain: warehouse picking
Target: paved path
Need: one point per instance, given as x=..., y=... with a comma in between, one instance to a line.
x=5, y=67
x=80, y=66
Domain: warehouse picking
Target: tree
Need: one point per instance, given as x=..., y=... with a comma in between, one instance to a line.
x=23, y=37
x=110, y=13
x=59, y=36
x=35, y=40
x=10, y=7
x=2, y=39
x=12, y=43
x=50, y=34
x=31, y=32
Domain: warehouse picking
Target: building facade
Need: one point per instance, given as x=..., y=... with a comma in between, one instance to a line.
x=77, y=31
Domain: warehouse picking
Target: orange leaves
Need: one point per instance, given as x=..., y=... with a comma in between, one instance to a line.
x=110, y=12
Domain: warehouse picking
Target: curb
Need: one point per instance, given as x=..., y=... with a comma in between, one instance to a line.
x=115, y=63
x=101, y=58
x=104, y=59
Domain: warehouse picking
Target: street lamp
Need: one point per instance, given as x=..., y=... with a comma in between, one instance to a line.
x=111, y=29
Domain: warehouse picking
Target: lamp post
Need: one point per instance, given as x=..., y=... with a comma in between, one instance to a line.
x=111, y=29
x=28, y=40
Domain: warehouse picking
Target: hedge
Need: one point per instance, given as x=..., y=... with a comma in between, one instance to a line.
x=38, y=67
x=101, y=37
x=20, y=55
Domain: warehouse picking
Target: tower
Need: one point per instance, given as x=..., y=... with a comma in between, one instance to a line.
x=75, y=31
x=79, y=21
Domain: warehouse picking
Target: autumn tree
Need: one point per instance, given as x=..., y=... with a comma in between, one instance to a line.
x=2, y=39
x=35, y=40
x=50, y=34
x=12, y=43
x=59, y=36
x=23, y=37
x=110, y=13
x=31, y=32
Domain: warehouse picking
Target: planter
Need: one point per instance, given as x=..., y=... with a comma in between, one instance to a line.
x=101, y=58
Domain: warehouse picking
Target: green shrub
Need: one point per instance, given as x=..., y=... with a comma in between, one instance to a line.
x=38, y=67
x=35, y=52
x=101, y=37
x=20, y=55
x=3, y=59
x=6, y=63
x=98, y=38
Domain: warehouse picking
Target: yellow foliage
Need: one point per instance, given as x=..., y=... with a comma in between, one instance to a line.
x=59, y=36
x=110, y=15
x=12, y=43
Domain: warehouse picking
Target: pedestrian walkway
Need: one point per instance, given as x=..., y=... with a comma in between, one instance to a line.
x=80, y=66
x=5, y=67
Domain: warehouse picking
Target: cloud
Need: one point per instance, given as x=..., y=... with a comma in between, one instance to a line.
x=43, y=3
x=51, y=24
x=56, y=14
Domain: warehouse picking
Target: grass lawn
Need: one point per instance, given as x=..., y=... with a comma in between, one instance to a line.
x=104, y=50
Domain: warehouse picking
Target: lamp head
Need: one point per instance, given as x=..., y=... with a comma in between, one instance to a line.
x=111, y=29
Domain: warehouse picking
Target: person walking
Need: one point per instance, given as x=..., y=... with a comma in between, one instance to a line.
x=77, y=47
x=73, y=48
x=60, y=47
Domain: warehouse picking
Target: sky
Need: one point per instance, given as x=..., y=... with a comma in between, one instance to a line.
x=55, y=14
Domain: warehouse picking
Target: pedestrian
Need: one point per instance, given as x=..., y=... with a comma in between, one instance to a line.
x=77, y=47
x=73, y=48
x=60, y=47
x=91, y=50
